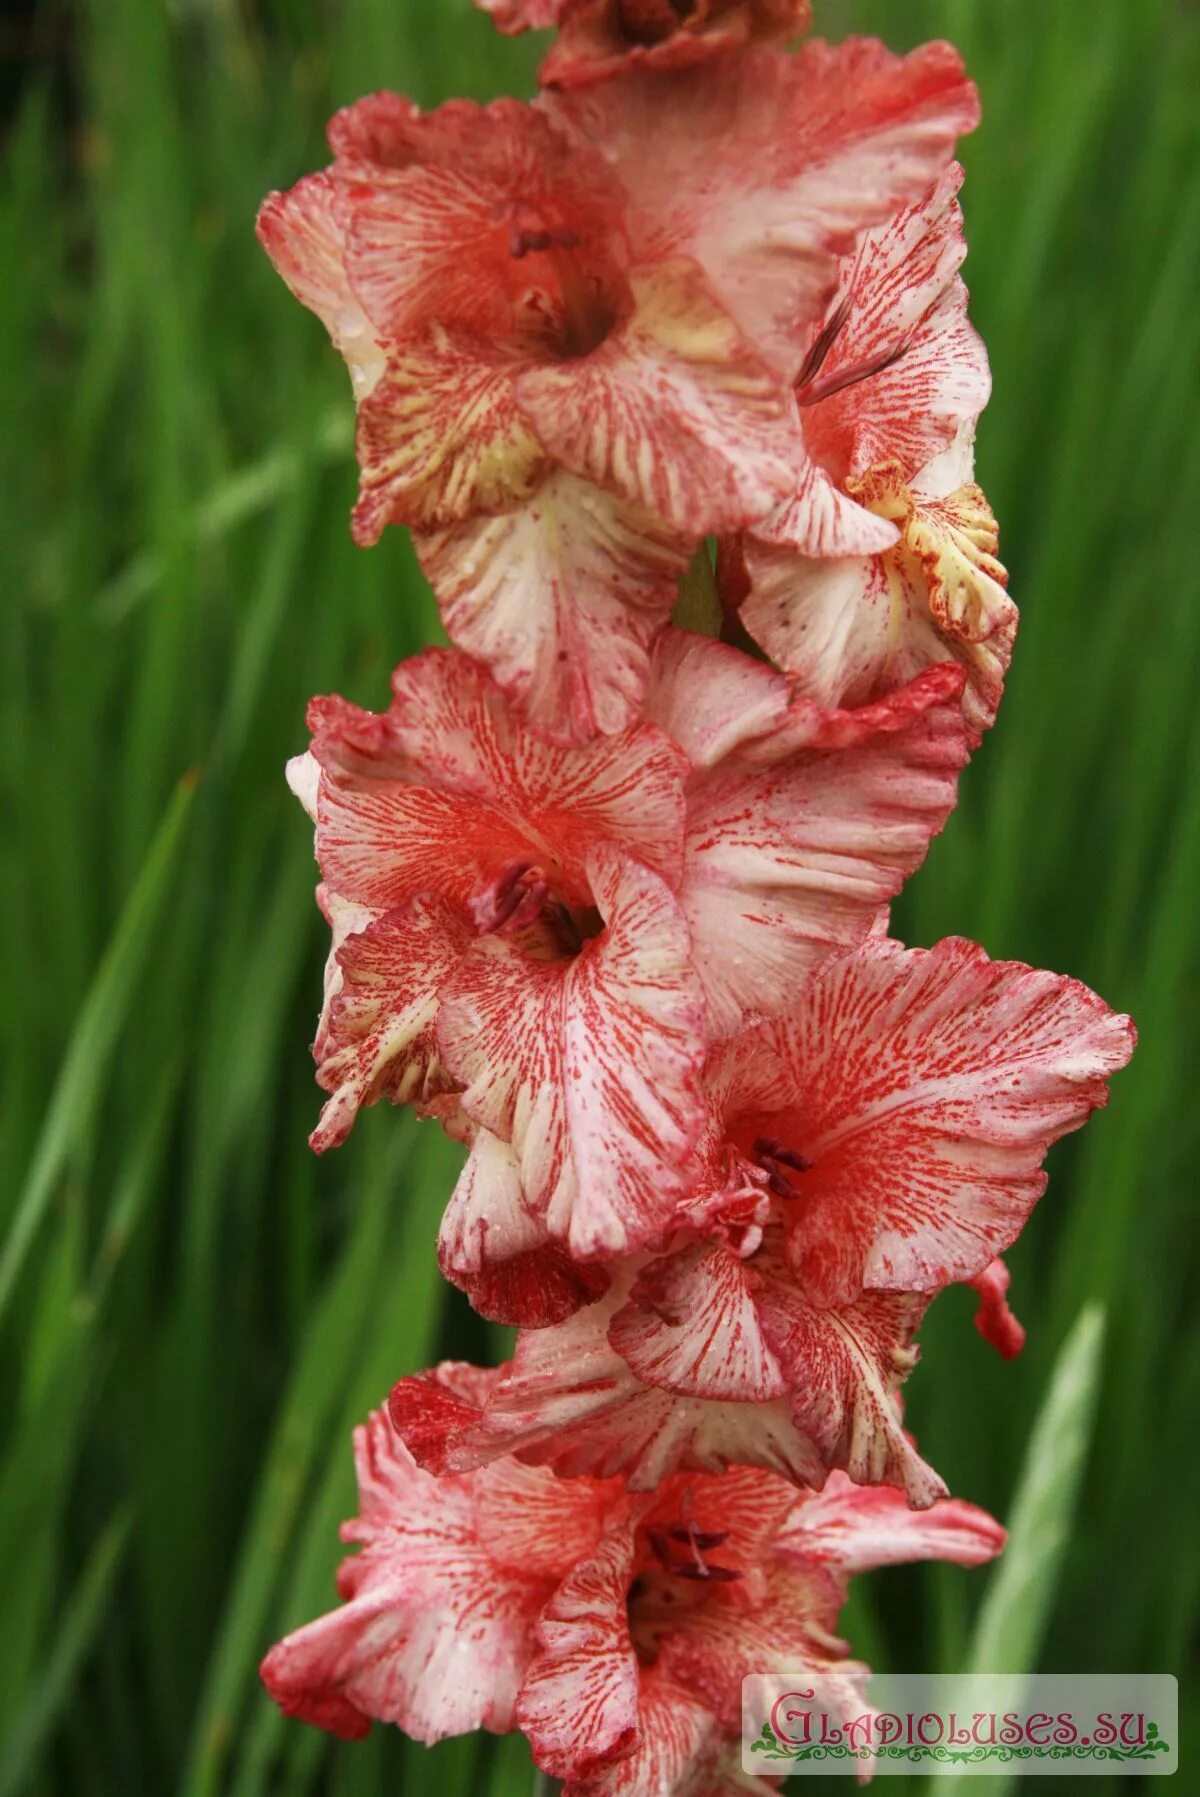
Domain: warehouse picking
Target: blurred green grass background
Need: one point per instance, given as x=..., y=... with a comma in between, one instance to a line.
x=193, y=1311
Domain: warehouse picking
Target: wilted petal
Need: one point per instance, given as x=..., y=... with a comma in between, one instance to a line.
x=562, y=599
x=589, y=1066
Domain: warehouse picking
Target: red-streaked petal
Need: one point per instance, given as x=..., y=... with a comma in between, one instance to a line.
x=562, y=599
x=855, y=1528
x=845, y=1368
x=380, y=842
x=900, y=285
x=678, y=1748
x=849, y=631
x=450, y=785
x=723, y=1640
x=789, y=861
x=691, y=1327
x=819, y=519
x=579, y=1700
x=588, y=1066
x=501, y=1254
x=995, y=1319
x=801, y=154
x=539, y=1525
x=675, y=412
x=431, y=199
x=302, y=233
x=441, y=436
x=570, y=1402
x=434, y=1636
x=377, y=1037
x=930, y=1084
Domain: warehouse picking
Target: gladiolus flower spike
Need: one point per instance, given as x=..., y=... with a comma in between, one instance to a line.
x=609, y=898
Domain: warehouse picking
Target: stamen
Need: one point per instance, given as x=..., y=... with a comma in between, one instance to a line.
x=828, y=335
x=513, y=901
x=817, y=390
x=699, y=1543
x=777, y=1161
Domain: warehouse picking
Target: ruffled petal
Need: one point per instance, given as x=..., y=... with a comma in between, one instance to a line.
x=434, y=1636
x=579, y=1700
x=856, y=1528
x=589, y=1066
x=802, y=153
x=570, y=1402
x=851, y=630
x=562, y=599
x=441, y=436
x=377, y=1036
x=691, y=1327
x=450, y=787
x=787, y=861
x=303, y=234
x=844, y=1368
x=930, y=1084
x=501, y=1254
x=675, y=412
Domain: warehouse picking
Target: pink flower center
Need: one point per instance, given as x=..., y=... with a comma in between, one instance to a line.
x=780, y=1163
x=650, y=21
x=812, y=386
x=521, y=897
x=682, y=1578
x=564, y=309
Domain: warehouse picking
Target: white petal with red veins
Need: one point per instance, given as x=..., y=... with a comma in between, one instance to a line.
x=787, y=863
x=855, y=1528
x=434, y=1636
x=845, y=1368
x=691, y=1327
x=377, y=1035
x=579, y=1699
x=562, y=599
x=589, y=1066
x=930, y=1085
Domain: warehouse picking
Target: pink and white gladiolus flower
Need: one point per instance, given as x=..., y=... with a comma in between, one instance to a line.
x=610, y=899
x=613, y=1627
